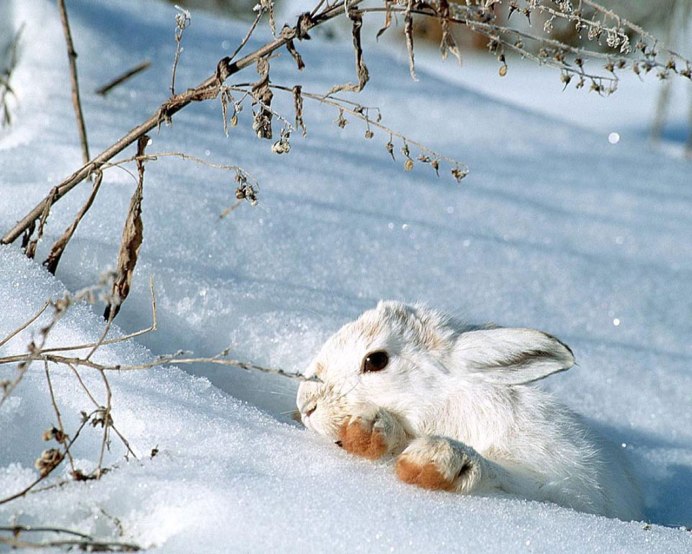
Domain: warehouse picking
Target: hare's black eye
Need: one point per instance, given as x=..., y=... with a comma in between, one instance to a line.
x=375, y=361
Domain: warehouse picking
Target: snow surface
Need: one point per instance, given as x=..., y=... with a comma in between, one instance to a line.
x=555, y=228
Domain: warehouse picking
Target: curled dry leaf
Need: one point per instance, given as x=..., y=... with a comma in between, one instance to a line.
x=447, y=42
x=131, y=242
x=287, y=32
x=387, y=17
x=356, y=17
x=262, y=124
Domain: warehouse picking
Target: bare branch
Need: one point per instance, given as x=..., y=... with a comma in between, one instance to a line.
x=76, y=101
x=120, y=79
x=25, y=324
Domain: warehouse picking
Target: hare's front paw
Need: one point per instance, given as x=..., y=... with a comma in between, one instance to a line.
x=440, y=463
x=372, y=435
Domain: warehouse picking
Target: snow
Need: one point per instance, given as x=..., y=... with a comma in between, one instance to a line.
x=555, y=228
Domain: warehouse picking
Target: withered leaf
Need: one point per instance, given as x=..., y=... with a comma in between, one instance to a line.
x=356, y=17
x=263, y=95
x=408, y=31
x=447, y=42
x=131, y=241
x=387, y=17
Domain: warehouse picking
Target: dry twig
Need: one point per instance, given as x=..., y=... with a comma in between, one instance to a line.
x=74, y=82
x=56, y=251
x=120, y=79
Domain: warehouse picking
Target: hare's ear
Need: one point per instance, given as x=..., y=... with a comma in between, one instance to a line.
x=512, y=356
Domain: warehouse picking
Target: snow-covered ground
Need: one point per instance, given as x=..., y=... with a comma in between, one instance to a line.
x=554, y=228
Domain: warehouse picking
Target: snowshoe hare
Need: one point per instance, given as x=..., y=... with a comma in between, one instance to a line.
x=452, y=404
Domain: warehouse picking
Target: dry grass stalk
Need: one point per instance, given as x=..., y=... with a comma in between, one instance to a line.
x=120, y=79
x=131, y=242
x=74, y=81
x=53, y=259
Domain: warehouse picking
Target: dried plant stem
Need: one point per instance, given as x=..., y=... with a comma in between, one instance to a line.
x=247, y=36
x=53, y=259
x=207, y=89
x=103, y=341
x=182, y=20
x=107, y=422
x=76, y=101
x=120, y=79
x=61, y=427
x=155, y=156
x=360, y=112
x=219, y=359
x=25, y=324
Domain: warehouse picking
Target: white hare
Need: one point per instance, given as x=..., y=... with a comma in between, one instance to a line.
x=453, y=405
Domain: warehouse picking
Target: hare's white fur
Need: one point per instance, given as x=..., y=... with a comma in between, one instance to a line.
x=455, y=399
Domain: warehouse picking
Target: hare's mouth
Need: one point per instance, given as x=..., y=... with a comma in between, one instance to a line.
x=295, y=416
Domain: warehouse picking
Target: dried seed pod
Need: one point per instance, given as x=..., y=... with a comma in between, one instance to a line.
x=408, y=164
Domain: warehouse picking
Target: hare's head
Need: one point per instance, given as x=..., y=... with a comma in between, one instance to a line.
x=408, y=359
